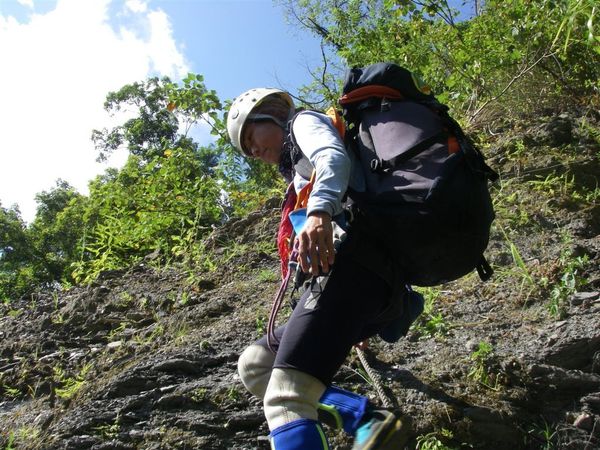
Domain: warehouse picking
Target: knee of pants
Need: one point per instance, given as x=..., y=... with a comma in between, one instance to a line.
x=291, y=395
x=254, y=367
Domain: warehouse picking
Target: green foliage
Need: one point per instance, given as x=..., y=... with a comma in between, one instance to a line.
x=70, y=386
x=430, y=323
x=55, y=231
x=578, y=25
x=148, y=338
x=9, y=442
x=145, y=208
x=522, y=272
x=199, y=394
x=170, y=193
x=479, y=372
x=163, y=202
x=23, y=437
x=543, y=435
x=15, y=253
x=151, y=129
x=435, y=440
x=261, y=326
x=109, y=430
x=41, y=252
x=533, y=52
x=268, y=276
x=10, y=391
x=571, y=280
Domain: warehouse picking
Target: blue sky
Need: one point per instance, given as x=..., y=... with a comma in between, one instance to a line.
x=61, y=57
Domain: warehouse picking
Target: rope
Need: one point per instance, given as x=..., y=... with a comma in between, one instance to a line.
x=375, y=378
x=272, y=340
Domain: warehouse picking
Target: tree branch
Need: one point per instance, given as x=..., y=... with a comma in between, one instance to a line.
x=523, y=71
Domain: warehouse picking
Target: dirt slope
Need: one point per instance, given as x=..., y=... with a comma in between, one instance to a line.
x=145, y=358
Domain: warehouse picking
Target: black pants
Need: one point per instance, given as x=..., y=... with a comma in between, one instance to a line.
x=351, y=304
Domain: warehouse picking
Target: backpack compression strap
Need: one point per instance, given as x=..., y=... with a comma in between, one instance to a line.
x=380, y=165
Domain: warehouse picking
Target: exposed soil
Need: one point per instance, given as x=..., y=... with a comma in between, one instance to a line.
x=145, y=358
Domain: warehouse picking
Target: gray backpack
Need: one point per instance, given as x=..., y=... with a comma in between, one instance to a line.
x=427, y=197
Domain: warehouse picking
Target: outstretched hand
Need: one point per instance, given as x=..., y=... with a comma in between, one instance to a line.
x=315, y=243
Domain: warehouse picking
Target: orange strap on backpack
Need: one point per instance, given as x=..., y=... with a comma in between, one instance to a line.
x=372, y=90
x=304, y=194
x=337, y=120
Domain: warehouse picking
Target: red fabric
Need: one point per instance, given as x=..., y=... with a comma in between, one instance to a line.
x=291, y=202
x=284, y=234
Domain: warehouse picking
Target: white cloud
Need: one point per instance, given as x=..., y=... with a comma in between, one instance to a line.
x=56, y=71
x=27, y=3
x=137, y=6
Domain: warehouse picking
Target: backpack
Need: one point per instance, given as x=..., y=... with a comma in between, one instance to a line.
x=427, y=199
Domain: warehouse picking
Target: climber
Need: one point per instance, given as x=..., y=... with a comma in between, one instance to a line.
x=350, y=296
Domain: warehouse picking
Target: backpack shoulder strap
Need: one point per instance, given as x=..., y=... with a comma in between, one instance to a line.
x=301, y=163
x=304, y=168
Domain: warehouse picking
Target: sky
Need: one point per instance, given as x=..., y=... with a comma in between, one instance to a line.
x=60, y=58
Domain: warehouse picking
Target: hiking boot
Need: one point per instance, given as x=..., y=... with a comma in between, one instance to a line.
x=382, y=430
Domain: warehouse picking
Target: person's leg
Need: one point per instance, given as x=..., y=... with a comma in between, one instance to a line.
x=292, y=401
x=254, y=367
x=337, y=408
x=337, y=312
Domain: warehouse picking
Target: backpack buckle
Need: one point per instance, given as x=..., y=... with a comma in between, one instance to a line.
x=484, y=270
x=376, y=165
x=385, y=104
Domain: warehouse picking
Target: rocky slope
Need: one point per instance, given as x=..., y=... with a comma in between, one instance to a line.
x=145, y=358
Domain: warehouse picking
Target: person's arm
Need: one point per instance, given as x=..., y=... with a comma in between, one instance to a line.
x=321, y=144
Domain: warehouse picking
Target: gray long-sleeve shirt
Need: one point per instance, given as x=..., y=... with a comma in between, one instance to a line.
x=335, y=168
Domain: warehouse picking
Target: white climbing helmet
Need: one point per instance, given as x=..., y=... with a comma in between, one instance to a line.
x=241, y=110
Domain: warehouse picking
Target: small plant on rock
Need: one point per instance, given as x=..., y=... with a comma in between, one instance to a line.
x=109, y=430
x=433, y=441
x=9, y=442
x=115, y=334
x=267, y=276
x=11, y=392
x=199, y=394
x=543, y=434
x=70, y=385
x=479, y=372
x=233, y=393
x=261, y=326
x=430, y=323
x=570, y=282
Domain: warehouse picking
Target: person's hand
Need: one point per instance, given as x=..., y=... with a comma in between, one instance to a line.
x=315, y=242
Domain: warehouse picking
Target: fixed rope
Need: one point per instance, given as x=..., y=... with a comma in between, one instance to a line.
x=375, y=378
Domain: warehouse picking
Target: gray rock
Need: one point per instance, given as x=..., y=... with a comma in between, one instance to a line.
x=580, y=297
x=585, y=422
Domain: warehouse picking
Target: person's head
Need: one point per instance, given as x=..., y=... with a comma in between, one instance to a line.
x=257, y=120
